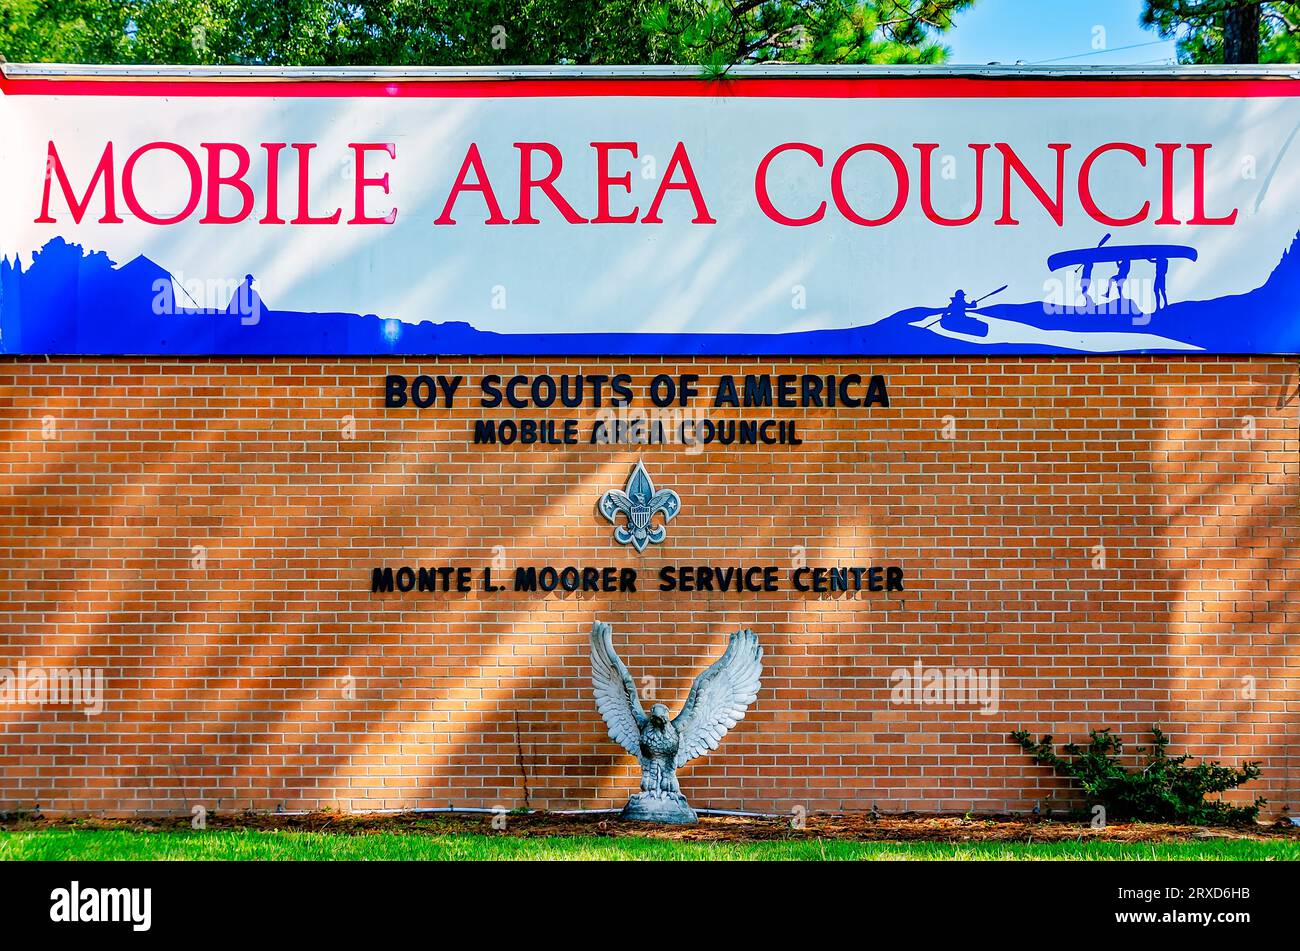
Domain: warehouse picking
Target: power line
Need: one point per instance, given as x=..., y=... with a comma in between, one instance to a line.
x=1112, y=49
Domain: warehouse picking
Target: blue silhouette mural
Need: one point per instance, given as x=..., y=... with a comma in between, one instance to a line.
x=1122, y=256
x=70, y=301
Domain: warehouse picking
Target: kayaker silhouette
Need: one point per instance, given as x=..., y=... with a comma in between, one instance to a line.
x=957, y=305
x=956, y=316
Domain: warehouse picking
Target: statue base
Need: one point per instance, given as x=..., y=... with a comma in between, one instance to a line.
x=643, y=807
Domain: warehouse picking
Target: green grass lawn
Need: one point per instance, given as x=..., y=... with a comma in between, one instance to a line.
x=54, y=844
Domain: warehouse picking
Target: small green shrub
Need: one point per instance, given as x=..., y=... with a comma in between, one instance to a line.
x=1162, y=790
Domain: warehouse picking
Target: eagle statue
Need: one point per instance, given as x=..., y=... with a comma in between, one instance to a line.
x=717, y=702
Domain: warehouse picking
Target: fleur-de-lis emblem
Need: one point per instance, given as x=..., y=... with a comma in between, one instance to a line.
x=639, y=502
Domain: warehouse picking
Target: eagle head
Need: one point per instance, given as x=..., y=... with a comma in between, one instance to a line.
x=659, y=715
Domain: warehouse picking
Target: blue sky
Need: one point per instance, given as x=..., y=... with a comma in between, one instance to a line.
x=1056, y=32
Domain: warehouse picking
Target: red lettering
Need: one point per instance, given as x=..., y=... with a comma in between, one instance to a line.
x=473, y=162
x=605, y=181
x=545, y=184
x=104, y=171
x=305, y=216
x=1167, y=150
x=1011, y=162
x=236, y=181
x=359, y=150
x=837, y=184
x=191, y=167
x=765, y=199
x=1085, y=188
x=272, y=216
x=679, y=160
x=927, y=202
x=1199, y=216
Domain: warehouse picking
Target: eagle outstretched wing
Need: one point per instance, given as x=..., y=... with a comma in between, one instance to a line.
x=613, y=502
x=666, y=501
x=616, y=697
x=719, y=697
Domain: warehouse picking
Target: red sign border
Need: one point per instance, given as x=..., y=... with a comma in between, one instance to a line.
x=946, y=87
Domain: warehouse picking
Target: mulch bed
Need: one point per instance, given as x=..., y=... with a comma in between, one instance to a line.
x=910, y=827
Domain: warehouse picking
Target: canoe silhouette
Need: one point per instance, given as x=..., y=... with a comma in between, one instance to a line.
x=1115, y=253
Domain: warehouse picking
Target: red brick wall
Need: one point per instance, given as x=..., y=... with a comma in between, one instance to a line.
x=227, y=684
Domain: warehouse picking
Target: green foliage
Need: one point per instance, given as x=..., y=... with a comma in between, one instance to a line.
x=1199, y=26
x=1162, y=790
x=711, y=33
x=62, y=31
x=324, y=32
x=717, y=33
